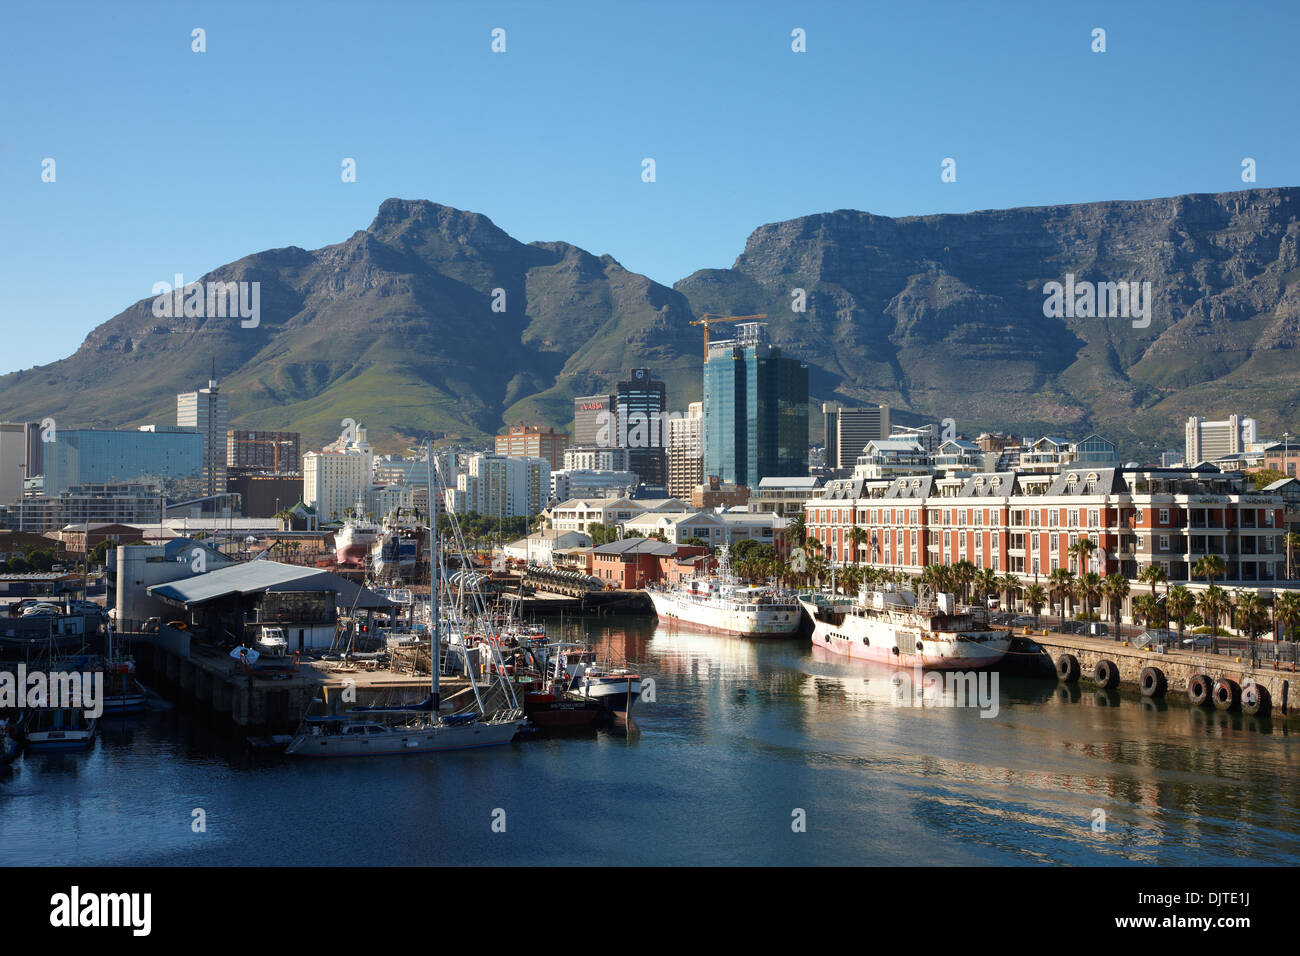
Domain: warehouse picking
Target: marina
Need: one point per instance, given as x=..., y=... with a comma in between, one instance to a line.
x=740, y=734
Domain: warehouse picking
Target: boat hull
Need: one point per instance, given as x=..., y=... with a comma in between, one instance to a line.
x=405, y=741
x=863, y=639
x=777, y=622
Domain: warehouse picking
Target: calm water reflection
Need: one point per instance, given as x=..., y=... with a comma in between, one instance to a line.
x=740, y=736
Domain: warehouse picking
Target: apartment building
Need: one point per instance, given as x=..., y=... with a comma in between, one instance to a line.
x=1025, y=523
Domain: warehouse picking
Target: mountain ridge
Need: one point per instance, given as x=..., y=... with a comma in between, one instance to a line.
x=939, y=315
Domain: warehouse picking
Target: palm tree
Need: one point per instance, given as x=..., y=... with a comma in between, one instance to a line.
x=1061, y=582
x=1292, y=541
x=1090, y=589
x=1010, y=586
x=1210, y=566
x=796, y=532
x=1252, y=617
x=857, y=538
x=963, y=576
x=1115, y=587
x=1212, y=604
x=1080, y=551
x=986, y=583
x=1180, y=603
x=1146, y=607
x=1035, y=597
x=1153, y=574
x=1287, y=613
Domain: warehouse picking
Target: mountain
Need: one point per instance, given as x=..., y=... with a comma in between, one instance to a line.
x=940, y=316
x=943, y=316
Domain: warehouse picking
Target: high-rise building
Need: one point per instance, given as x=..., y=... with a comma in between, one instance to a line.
x=1207, y=440
x=849, y=429
x=685, y=451
x=594, y=419
x=642, y=403
x=204, y=410
x=755, y=409
x=271, y=452
x=533, y=441
x=337, y=477
x=170, y=458
x=13, y=460
x=595, y=458
x=498, y=486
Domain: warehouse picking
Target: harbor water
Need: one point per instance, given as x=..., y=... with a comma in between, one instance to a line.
x=752, y=752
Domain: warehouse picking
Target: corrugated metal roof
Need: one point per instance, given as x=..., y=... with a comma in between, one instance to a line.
x=255, y=577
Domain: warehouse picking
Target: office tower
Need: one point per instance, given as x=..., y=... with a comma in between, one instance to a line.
x=849, y=429
x=642, y=403
x=594, y=421
x=533, y=441
x=685, y=451
x=755, y=409
x=204, y=410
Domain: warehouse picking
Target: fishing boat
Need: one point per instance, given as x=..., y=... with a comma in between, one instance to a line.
x=894, y=625
x=353, y=541
x=555, y=706
x=271, y=641
x=59, y=728
x=617, y=688
x=720, y=602
x=418, y=727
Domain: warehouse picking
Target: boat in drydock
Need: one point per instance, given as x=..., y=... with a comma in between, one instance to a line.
x=721, y=603
x=898, y=626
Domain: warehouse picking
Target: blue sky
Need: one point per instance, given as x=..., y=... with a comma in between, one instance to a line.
x=173, y=161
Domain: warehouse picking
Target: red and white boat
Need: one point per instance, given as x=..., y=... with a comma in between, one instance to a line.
x=900, y=627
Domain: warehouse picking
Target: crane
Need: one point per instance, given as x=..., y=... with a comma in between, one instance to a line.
x=708, y=318
x=274, y=443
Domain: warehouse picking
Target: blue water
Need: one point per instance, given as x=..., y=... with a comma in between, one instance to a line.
x=741, y=736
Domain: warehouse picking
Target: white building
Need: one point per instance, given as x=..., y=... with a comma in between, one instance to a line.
x=205, y=411
x=338, y=477
x=727, y=527
x=539, y=547
x=587, y=483
x=497, y=486
x=1207, y=440
x=595, y=458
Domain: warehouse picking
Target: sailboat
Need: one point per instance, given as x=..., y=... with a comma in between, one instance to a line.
x=417, y=727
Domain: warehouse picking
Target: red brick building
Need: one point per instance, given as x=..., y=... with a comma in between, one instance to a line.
x=635, y=562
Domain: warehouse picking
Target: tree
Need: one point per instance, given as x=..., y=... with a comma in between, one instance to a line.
x=797, y=530
x=1035, y=597
x=1287, y=613
x=1213, y=604
x=857, y=538
x=1265, y=477
x=1147, y=608
x=1081, y=550
x=1115, y=587
x=1179, y=604
x=1292, y=541
x=1061, y=581
x=1153, y=574
x=1252, y=618
x=1090, y=589
x=986, y=583
x=1009, y=584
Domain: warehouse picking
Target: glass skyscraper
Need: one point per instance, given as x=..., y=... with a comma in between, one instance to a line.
x=755, y=410
x=169, y=458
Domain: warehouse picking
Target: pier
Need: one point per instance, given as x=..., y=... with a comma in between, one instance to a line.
x=269, y=699
x=1204, y=679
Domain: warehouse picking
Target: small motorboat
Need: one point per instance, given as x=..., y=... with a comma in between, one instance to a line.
x=272, y=643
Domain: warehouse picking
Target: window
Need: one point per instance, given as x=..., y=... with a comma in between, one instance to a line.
x=1053, y=516
x=1164, y=516
x=1033, y=541
x=914, y=537
x=947, y=540
x=1074, y=518
x=961, y=543
x=1094, y=518
x=1137, y=515
x=961, y=516
x=1052, y=541
x=1164, y=542
x=1137, y=541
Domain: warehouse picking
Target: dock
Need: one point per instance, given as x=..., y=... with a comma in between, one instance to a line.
x=1156, y=671
x=270, y=699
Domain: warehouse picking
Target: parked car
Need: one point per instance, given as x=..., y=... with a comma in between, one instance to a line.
x=85, y=607
x=1024, y=620
x=37, y=610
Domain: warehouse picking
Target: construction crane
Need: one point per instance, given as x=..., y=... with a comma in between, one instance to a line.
x=275, y=444
x=708, y=318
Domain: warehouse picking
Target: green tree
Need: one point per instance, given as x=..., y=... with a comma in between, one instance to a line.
x=1115, y=587
x=1036, y=598
x=1180, y=604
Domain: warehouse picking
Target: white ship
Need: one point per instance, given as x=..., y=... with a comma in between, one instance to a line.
x=898, y=626
x=353, y=541
x=720, y=603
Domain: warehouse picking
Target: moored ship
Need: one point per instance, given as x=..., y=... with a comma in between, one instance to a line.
x=721, y=603
x=900, y=627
